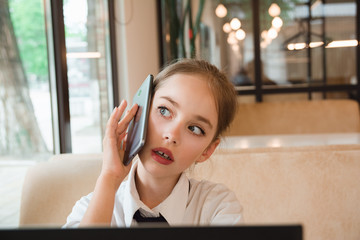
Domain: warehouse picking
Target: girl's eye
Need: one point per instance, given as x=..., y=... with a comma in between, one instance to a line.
x=164, y=111
x=196, y=130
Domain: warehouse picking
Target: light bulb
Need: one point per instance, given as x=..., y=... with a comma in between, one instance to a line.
x=232, y=38
x=264, y=34
x=235, y=24
x=277, y=22
x=272, y=33
x=227, y=27
x=221, y=11
x=240, y=34
x=291, y=46
x=274, y=10
x=315, y=44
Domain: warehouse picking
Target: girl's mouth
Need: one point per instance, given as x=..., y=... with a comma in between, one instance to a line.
x=162, y=156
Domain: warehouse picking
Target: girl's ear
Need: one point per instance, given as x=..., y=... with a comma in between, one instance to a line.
x=209, y=151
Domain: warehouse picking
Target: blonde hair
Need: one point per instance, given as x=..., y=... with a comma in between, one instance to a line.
x=222, y=89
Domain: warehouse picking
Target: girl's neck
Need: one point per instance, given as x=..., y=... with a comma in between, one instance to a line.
x=153, y=190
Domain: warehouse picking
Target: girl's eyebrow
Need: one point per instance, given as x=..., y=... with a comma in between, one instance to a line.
x=197, y=117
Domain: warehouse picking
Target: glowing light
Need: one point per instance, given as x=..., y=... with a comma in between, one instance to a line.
x=277, y=22
x=235, y=24
x=221, y=11
x=227, y=27
x=232, y=38
x=296, y=46
x=299, y=46
x=333, y=44
x=274, y=10
x=240, y=34
x=291, y=46
x=272, y=33
x=343, y=43
x=315, y=44
x=264, y=34
x=83, y=55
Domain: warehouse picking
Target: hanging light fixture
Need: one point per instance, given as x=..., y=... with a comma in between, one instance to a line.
x=232, y=38
x=235, y=24
x=277, y=22
x=343, y=43
x=227, y=28
x=272, y=33
x=240, y=34
x=221, y=11
x=274, y=10
x=264, y=34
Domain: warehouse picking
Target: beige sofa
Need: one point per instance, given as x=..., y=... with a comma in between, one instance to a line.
x=318, y=187
x=297, y=117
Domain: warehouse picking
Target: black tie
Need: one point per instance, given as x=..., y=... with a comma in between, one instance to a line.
x=141, y=219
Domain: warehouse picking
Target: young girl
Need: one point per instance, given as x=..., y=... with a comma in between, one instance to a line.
x=192, y=104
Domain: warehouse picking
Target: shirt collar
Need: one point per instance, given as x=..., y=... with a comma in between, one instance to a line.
x=131, y=197
x=172, y=208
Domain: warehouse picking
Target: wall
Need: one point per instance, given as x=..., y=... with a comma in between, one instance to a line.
x=137, y=44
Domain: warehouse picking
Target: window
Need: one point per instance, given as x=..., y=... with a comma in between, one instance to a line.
x=56, y=89
x=88, y=71
x=25, y=109
x=271, y=50
x=29, y=107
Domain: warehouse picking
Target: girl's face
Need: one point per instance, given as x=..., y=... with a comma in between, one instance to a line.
x=182, y=124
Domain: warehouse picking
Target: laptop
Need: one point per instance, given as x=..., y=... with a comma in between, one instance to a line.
x=284, y=232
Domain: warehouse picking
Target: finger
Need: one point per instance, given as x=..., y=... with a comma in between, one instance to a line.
x=124, y=123
x=110, y=121
x=119, y=112
x=114, y=118
x=115, y=114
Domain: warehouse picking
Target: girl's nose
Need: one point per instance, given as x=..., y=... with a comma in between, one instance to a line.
x=170, y=139
x=172, y=134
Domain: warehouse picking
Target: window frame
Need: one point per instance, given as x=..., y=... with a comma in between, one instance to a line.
x=59, y=79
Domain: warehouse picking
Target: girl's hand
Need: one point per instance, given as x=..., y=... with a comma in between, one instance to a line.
x=113, y=172
x=114, y=143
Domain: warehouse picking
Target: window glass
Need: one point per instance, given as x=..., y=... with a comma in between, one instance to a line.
x=340, y=30
x=26, y=130
x=197, y=30
x=25, y=106
x=234, y=28
x=308, y=43
x=87, y=36
x=305, y=45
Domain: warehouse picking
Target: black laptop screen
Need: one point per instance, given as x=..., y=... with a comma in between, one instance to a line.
x=293, y=232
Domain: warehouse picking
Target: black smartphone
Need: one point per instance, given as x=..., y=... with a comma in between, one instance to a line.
x=137, y=129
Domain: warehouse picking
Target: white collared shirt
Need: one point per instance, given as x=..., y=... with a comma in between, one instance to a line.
x=191, y=202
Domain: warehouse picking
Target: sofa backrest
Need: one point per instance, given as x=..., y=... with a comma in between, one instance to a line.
x=51, y=188
x=318, y=187
x=297, y=117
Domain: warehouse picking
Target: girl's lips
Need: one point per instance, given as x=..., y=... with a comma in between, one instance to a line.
x=162, y=156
